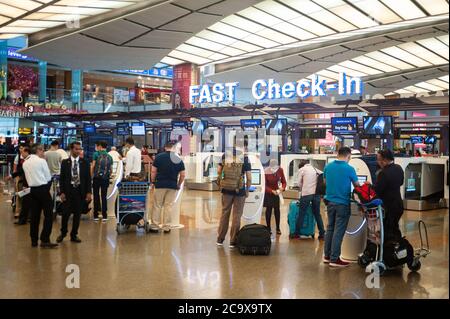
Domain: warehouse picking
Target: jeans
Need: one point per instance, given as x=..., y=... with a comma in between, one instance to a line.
x=338, y=217
x=314, y=201
x=100, y=185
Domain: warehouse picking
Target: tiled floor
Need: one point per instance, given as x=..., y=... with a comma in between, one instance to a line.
x=187, y=264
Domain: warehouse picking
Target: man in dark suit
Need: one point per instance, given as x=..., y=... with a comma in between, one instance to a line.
x=75, y=186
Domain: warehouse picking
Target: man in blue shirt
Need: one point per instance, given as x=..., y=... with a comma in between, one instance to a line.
x=167, y=176
x=338, y=177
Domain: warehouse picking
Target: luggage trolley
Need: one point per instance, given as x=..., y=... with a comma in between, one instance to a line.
x=374, y=214
x=131, y=206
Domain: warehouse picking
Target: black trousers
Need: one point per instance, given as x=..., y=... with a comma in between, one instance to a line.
x=72, y=205
x=391, y=222
x=272, y=202
x=100, y=186
x=25, y=210
x=41, y=200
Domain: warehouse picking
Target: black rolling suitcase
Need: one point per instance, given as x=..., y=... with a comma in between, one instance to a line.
x=254, y=239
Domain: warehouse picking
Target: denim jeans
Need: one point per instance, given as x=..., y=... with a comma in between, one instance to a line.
x=314, y=201
x=338, y=217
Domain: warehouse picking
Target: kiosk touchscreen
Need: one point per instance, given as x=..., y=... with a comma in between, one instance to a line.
x=256, y=177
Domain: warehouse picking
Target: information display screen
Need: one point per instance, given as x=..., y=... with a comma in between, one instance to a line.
x=378, y=125
x=431, y=139
x=279, y=125
x=89, y=128
x=344, y=125
x=181, y=125
x=138, y=128
x=416, y=139
x=123, y=128
x=251, y=123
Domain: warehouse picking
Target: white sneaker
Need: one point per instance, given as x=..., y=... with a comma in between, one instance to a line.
x=96, y=219
x=232, y=246
x=104, y=220
x=219, y=243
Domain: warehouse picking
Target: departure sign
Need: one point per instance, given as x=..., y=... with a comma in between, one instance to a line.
x=270, y=89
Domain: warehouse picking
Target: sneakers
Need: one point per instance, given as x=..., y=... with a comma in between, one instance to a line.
x=339, y=263
x=326, y=260
x=96, y=219
x=219, y=243
x=232, y=245
x=104, y=220
x=166, y=229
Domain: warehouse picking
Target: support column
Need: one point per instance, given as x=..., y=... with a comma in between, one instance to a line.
x=356, y=141
x=389, y=143
x=3, y=69
x=42, y=81
x=443, y=147
x=77, y=88
x=296, y=139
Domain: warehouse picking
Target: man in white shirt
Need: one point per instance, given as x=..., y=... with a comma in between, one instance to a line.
x=114, y=154
x=307, y=184
x=39, y=179
x=133, y=160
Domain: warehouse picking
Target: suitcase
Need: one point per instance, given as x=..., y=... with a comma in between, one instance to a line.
x=254, y=239
x=309, y=223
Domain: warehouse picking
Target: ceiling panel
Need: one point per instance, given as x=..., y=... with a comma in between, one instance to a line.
x=157, y=16
x=187, y=23
x=197, y=4
x=117, y=32
x=159, y=38
x=286, y=63
x=78, y=51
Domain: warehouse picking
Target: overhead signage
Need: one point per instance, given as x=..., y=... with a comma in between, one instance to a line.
x=270, y=89
x=344, y=125
x=163, y=73
x=13, y=54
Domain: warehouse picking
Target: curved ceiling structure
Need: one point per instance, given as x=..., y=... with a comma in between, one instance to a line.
x=276, y=25
x=390, y=43
x=433, y=85
x=22, y=17
x=134, y=37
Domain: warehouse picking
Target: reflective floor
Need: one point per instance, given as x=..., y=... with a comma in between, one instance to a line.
x=187, y=264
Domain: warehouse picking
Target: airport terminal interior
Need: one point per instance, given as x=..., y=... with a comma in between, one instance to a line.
x=121, y=116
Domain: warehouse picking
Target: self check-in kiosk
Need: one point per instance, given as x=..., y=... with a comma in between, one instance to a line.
x=289, y=164
x=207, y=162
x=113, y=191
x=202, y=171
x=254, y=202
x=425, y=186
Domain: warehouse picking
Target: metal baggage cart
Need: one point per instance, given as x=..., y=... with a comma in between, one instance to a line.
x=131, y=205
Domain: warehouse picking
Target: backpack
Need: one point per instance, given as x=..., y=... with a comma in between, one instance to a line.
x=232, y=178
x=365, y=193
x=102, y=166
x=320, y=186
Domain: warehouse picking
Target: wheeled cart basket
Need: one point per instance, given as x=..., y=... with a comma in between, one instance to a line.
x=131, y=205
x=399, y=253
